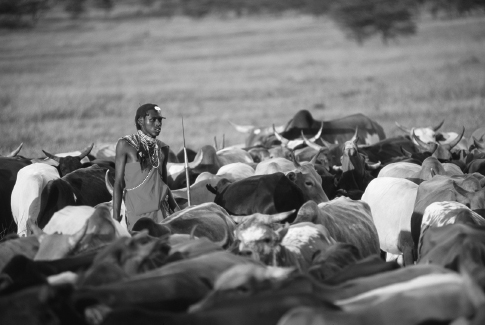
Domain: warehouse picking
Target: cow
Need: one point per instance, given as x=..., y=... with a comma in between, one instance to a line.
x=99, y=229
x=205, y=220
x=69, y=163
x=335, y=131
x=402, y=303
x=442, y=151
x=85, y=186
x=439, y=214
x=25, y=200
x=430, y=135
x=458, y=246
x=465, y=189
x=9, y=168
x=263, y=239
x=391, y=201
x=346, y=221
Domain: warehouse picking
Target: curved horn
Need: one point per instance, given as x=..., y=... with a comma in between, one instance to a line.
x=51, y=156
x=478, y=144
x=318, y=135
x=436, y=128
x=295, y=162
x=314, y=159
x=86, y=151
x=457, y=139
x=280, y=137
x=242, y=128
x=406, y=153
x=405, y=129
x=355, y=137
x=109, y=187
x=192, y=232
x=429, y=147
x=223, y=242
x=373, y=166
x=311, y=144
x=16, y=151
x=215, y=143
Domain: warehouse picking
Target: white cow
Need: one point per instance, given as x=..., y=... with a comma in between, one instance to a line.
x=25, y=199
x=391, y=201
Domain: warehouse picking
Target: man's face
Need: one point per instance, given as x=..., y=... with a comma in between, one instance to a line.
x=151, y=124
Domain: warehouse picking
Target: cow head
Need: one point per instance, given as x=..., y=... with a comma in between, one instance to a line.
x=425, y=134
x=260, y=236
x=440, y=151
x=308, y=180
x=351, y=158
x=69, y=164
x=292, y=144
x=475, y=200
x=478, y=145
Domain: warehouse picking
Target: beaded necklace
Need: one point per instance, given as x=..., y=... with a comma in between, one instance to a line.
x=151, y=147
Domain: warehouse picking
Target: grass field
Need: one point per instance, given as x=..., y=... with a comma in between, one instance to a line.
x=66, y=84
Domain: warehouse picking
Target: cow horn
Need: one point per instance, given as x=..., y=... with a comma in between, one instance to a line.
x=281, y=216
x=278, y=136
x=16, y=151
x=373, y=166
x=293, y=157
x=429, y=147
x=457, y=140
x=109, y=187
x=318, y=135
x=221, y=243
x=311, y=144
x=239, y=219
x=215, y=143
x=406, y=153
x=51, y=156
x=242, y=128
x=436, y=128
x=478, y=144
x=192, y=232
x=314, y=159
x=223, y=141
x=86, y=151
x=355, y=137
x=405, y=129
x=337, y=168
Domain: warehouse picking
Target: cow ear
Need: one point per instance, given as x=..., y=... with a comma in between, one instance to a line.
x=283, y=231
x=291, y=176
x=462, y=194
x=307, y=213
x=482, y=182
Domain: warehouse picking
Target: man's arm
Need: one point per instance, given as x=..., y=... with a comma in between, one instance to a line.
x=120, y=162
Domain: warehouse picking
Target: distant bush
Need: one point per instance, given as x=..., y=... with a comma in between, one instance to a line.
x=361, y=19
x=12, y=12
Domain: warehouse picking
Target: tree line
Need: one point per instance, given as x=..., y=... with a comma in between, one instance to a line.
x=359, y=19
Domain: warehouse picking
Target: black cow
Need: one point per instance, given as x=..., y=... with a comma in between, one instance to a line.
x=70, y=163
x=268, y=194
x=84, y=186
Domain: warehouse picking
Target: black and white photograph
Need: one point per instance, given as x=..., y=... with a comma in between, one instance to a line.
x=242, y=162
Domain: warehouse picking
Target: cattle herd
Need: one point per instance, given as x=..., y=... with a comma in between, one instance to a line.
x=307, y=222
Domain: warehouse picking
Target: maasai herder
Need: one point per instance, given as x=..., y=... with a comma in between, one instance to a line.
x=141, y=170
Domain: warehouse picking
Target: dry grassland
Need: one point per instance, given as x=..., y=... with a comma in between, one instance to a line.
x=66, y=84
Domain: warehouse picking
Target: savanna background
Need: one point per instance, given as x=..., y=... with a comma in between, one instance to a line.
x=65, y=83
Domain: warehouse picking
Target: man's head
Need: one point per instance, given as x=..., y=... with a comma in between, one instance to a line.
x=148, y=119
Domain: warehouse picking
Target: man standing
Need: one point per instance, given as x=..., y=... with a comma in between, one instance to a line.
x=141, y=170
